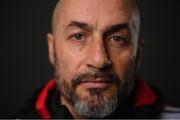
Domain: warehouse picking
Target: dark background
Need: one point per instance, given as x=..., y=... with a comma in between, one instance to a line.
x=24, y=65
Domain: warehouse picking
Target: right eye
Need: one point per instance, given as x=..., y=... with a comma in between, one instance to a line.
x=78, y=37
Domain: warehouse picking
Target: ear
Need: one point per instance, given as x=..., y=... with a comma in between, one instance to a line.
x=139, y=54
x=51, y=48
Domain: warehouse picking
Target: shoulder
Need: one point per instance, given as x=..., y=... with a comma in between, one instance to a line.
x=38, y=105
x=29, y=111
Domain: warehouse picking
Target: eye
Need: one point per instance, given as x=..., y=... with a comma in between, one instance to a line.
x=117, y=39
x=78, y=37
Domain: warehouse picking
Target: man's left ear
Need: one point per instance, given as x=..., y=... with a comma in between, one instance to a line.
x=139, y=52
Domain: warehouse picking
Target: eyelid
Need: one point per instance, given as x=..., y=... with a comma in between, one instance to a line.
x=113, y=35
x=123, y=36
x=81, y=33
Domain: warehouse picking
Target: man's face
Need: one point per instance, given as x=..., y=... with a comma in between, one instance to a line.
x=87, y=33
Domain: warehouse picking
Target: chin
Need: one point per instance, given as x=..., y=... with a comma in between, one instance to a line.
x=95, y=103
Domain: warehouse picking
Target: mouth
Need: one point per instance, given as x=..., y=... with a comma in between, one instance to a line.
x=96, y=83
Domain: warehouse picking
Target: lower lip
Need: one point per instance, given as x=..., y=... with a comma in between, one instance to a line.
x=95, y=84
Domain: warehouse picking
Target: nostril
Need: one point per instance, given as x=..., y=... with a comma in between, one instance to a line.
x=104, y=67
x=91, y=66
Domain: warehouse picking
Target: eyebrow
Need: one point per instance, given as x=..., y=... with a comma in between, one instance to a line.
x=108, y=30
x=81, y=25
x=115, y=28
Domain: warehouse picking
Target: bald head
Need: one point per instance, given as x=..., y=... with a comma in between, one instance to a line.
x=128, y=5
x=55, y=15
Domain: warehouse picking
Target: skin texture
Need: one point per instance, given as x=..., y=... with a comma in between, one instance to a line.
x=87, y=33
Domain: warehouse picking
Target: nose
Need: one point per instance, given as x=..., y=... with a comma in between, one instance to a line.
x=98, y=57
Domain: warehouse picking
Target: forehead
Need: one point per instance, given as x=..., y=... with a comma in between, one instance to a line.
x=98, y=13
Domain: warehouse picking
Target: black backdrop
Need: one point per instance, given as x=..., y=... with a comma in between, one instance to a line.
x=24, y=59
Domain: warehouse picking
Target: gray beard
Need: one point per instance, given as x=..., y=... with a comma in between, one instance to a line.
x=95, y=105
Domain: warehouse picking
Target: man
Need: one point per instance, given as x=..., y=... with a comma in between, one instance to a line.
x=95, y=50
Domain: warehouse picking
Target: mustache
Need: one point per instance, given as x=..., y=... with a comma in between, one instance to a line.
x=92, y=74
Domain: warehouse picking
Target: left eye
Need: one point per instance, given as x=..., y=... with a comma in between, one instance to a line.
x=78, y=37
x=117, y=38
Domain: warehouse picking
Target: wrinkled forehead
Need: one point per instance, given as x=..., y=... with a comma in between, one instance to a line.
x=95, y=12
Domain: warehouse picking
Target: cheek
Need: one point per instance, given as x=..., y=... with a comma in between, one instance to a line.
x=122, y=63
x=68, y=63
x=64, y=68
